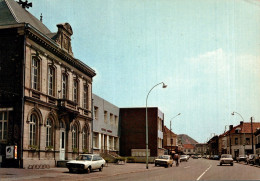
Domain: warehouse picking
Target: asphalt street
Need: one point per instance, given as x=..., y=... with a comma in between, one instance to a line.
x=194, y=169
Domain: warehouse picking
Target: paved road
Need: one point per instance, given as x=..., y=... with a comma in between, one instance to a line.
x=194, y=169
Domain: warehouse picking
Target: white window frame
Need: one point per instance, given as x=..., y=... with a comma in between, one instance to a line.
x=74, y=136
x=75, y=91
x=4, y=125
x=49, y=129
x=35, y=74
x=85, y=96
x=33, y=130
x=64, y=85
x=51, y=81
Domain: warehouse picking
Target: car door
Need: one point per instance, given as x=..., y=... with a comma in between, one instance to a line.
x=95, y=162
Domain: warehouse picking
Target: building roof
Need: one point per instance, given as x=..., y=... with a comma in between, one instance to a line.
x=166, y=130
x=12, y=13
x=188, y=146
x=244, y=127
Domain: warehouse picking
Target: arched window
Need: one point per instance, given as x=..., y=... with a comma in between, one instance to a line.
x=49, y=132
x=85, y=138
x=74, y=137
x=64, y=85
x=51, y=81
x=32, y=129
x=35, y=74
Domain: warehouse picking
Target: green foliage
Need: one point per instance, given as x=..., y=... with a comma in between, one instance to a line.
x=131, y=159
x=75, y=150
x=85, y=150
x=33, y=147
x=49, y=148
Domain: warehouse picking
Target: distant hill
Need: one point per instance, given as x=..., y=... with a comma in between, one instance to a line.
x=185, y=139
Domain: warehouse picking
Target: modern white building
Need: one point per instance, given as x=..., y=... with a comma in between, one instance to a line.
x=105, y=126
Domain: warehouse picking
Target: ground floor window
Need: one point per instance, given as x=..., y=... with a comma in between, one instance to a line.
x=3, y=125
x=95, y=140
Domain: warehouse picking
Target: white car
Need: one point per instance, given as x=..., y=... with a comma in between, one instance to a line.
x=226, y=159
x=86, y=162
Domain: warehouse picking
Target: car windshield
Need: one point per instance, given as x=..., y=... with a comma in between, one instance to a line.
x=84, y=157
x=164, y=157
x=226, y=156
x=241, y=155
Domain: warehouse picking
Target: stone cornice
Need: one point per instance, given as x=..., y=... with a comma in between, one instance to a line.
x=51, y=46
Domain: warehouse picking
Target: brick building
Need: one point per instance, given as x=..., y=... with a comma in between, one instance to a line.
x=45, y=93
x=170, y=140
x=188, y=149
x=133, y=132
x=238, y=139
x=105, y=126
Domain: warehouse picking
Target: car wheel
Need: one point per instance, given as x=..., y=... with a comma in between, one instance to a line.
x=88, y=169
x=231, y=164
x=220, y=164
x=171, y=165
x=155, y=164
x=101, y=168
x=70, y=170
x=166, y=166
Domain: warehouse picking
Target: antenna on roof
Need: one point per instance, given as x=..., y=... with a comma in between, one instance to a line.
x=24, y=4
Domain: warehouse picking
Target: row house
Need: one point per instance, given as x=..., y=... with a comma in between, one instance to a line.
x=213, y=146
x=105, y=126
x=133, y=132
x=257, y=141
x=188, y=149
x=45, y=92
x=170, y=141
x=201, y=149
x=239, y=140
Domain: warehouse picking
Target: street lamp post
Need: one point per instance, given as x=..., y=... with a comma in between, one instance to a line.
x=146, y=120
x=233, y=113
x=171, y=128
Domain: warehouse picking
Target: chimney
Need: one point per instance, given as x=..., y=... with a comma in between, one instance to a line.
x=230, y=127
x=241, y=122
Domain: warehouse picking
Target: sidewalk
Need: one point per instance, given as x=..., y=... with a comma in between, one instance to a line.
x=112, y=170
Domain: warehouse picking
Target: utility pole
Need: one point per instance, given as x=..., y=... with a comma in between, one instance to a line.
x=171, y=134
x=252, y=135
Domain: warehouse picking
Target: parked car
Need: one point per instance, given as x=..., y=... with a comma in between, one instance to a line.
x=199, y=156
x=226, y=159
x=164, y=160
x=184, y=158
x=86, y=162
x=195, y=157
x=241, y=158
x=215, y=157
x=207, y=157
x=253, y=159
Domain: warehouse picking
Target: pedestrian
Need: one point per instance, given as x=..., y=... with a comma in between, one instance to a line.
x=176, y=158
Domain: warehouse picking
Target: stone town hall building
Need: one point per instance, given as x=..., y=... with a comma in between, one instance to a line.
x=45, y=92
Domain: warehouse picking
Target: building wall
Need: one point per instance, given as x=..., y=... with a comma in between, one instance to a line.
x=133, y=130
x=11, y=81
x=105, y=129
x=40, y=103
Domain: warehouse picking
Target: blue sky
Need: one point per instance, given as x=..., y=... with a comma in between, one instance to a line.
x=207, y=52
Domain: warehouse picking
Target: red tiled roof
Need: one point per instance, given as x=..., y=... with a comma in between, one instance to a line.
x=188, y=146
x=166, y=130
x=246, y=127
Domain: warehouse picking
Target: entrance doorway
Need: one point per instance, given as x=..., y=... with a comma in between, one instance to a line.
x=62, y=141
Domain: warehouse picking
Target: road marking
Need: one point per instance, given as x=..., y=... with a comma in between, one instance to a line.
x=187, y=167
x=204, y=172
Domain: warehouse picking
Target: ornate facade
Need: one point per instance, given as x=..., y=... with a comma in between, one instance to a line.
x=45, y=93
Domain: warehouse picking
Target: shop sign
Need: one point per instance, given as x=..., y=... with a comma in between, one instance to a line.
x=9, y=152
